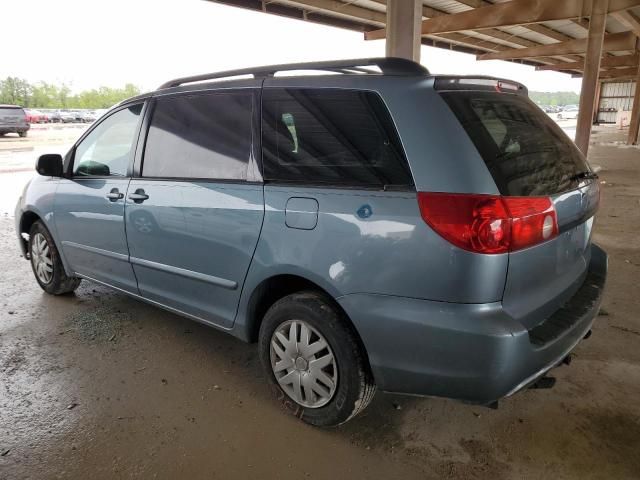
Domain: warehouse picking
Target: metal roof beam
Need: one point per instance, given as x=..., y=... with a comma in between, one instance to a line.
x=534, y=27
x=342, y=9
x=514, y=12
x=628, y=19
x=430, y=12
x=619, y=72
x=615, y=74
x=606, y=62
x=613, y=42
x=486, y=45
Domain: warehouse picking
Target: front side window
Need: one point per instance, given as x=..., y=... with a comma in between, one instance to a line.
x=204, y=136
x=107, y=150
x=331, y=137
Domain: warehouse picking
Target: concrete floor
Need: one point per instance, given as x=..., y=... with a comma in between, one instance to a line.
x=97, y=385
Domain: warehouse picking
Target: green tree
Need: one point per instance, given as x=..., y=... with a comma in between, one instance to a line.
x=46, y=95
x=15, y=90
x=555, y=98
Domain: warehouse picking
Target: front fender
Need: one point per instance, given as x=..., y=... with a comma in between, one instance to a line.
x=38, y=199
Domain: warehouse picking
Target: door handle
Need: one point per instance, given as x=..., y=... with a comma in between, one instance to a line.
x=138, y=196
x=114, y=195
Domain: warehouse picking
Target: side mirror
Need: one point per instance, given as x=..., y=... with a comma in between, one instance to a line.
x=49, y=165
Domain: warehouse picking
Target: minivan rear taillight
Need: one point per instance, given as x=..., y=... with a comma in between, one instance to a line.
x=489, y=223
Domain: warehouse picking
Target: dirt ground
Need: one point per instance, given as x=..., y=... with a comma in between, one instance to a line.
x=97, y=385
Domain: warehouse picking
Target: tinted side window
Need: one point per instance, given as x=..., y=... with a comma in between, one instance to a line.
x=106, y=151
x=330, y=136
x=200, y=136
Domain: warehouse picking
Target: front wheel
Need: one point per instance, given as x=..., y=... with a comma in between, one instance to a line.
x=22, y=134
x=314, y=360
x=46, y=264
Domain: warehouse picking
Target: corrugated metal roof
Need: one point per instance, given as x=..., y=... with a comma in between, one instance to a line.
x=528, y=34
x=367, y=15
x=567, y=27
x=449, y=6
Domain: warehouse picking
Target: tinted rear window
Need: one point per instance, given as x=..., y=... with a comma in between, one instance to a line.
x=11, y=111
x=525, y=151
x=204, y=136
x=330, y=137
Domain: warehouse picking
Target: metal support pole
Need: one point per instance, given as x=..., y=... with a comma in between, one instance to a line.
x=591, y=71
x=404, y=23
x=596, y=103
x=635, y=114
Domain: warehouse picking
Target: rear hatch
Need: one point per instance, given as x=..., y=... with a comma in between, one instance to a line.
x=11, y=116
x=529, y=156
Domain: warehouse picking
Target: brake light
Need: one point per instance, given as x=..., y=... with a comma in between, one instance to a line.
x=489, y=223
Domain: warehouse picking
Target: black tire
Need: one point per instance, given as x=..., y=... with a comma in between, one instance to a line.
x=22, y=134
x=355, y=386
x=59, y=283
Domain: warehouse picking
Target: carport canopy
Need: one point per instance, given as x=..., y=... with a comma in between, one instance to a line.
x=593, y=39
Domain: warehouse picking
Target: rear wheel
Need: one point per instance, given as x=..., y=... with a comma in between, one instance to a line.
x=46, y=264
x=314, y=360
x=22, y=134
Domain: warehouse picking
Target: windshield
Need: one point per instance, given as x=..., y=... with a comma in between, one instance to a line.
x=525, y=151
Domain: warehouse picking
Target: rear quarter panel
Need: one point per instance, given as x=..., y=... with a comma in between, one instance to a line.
x=390, y=252
x=393, y=251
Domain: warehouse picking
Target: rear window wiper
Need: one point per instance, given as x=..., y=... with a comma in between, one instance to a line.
x=396, y=187
x=586, y=175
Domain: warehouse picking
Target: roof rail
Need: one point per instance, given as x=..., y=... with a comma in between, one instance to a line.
x=387, y=65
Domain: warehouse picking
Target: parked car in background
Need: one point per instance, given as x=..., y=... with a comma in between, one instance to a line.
x=310, y=215
x=34, y=116
x=569, y=112
x=88, y=116
x=13, y=119
x=66, y=116
x=54, y=116
x=76, y=115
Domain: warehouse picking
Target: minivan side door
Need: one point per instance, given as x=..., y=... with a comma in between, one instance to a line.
x=194, y=212
x=89, y=203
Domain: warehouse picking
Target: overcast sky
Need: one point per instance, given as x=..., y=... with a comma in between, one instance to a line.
x=89, y=43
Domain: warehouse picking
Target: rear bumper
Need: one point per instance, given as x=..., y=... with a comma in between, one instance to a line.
x=18, y=128
x=473, y=352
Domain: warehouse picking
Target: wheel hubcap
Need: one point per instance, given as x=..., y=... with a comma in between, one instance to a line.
x=303, y=364
x=41, y=258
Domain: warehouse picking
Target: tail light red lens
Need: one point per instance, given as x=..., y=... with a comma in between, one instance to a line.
x=489, y=223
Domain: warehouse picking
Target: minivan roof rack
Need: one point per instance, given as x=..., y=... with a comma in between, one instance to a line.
x=387, y=65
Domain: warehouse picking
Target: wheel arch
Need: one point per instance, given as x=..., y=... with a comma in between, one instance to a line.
x=273, y=288
x=27, y=219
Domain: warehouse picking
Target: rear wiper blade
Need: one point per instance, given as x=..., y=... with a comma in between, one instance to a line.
x=586, y=175
x=396, y=186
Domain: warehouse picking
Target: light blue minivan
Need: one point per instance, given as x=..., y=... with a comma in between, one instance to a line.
x=368, y=225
